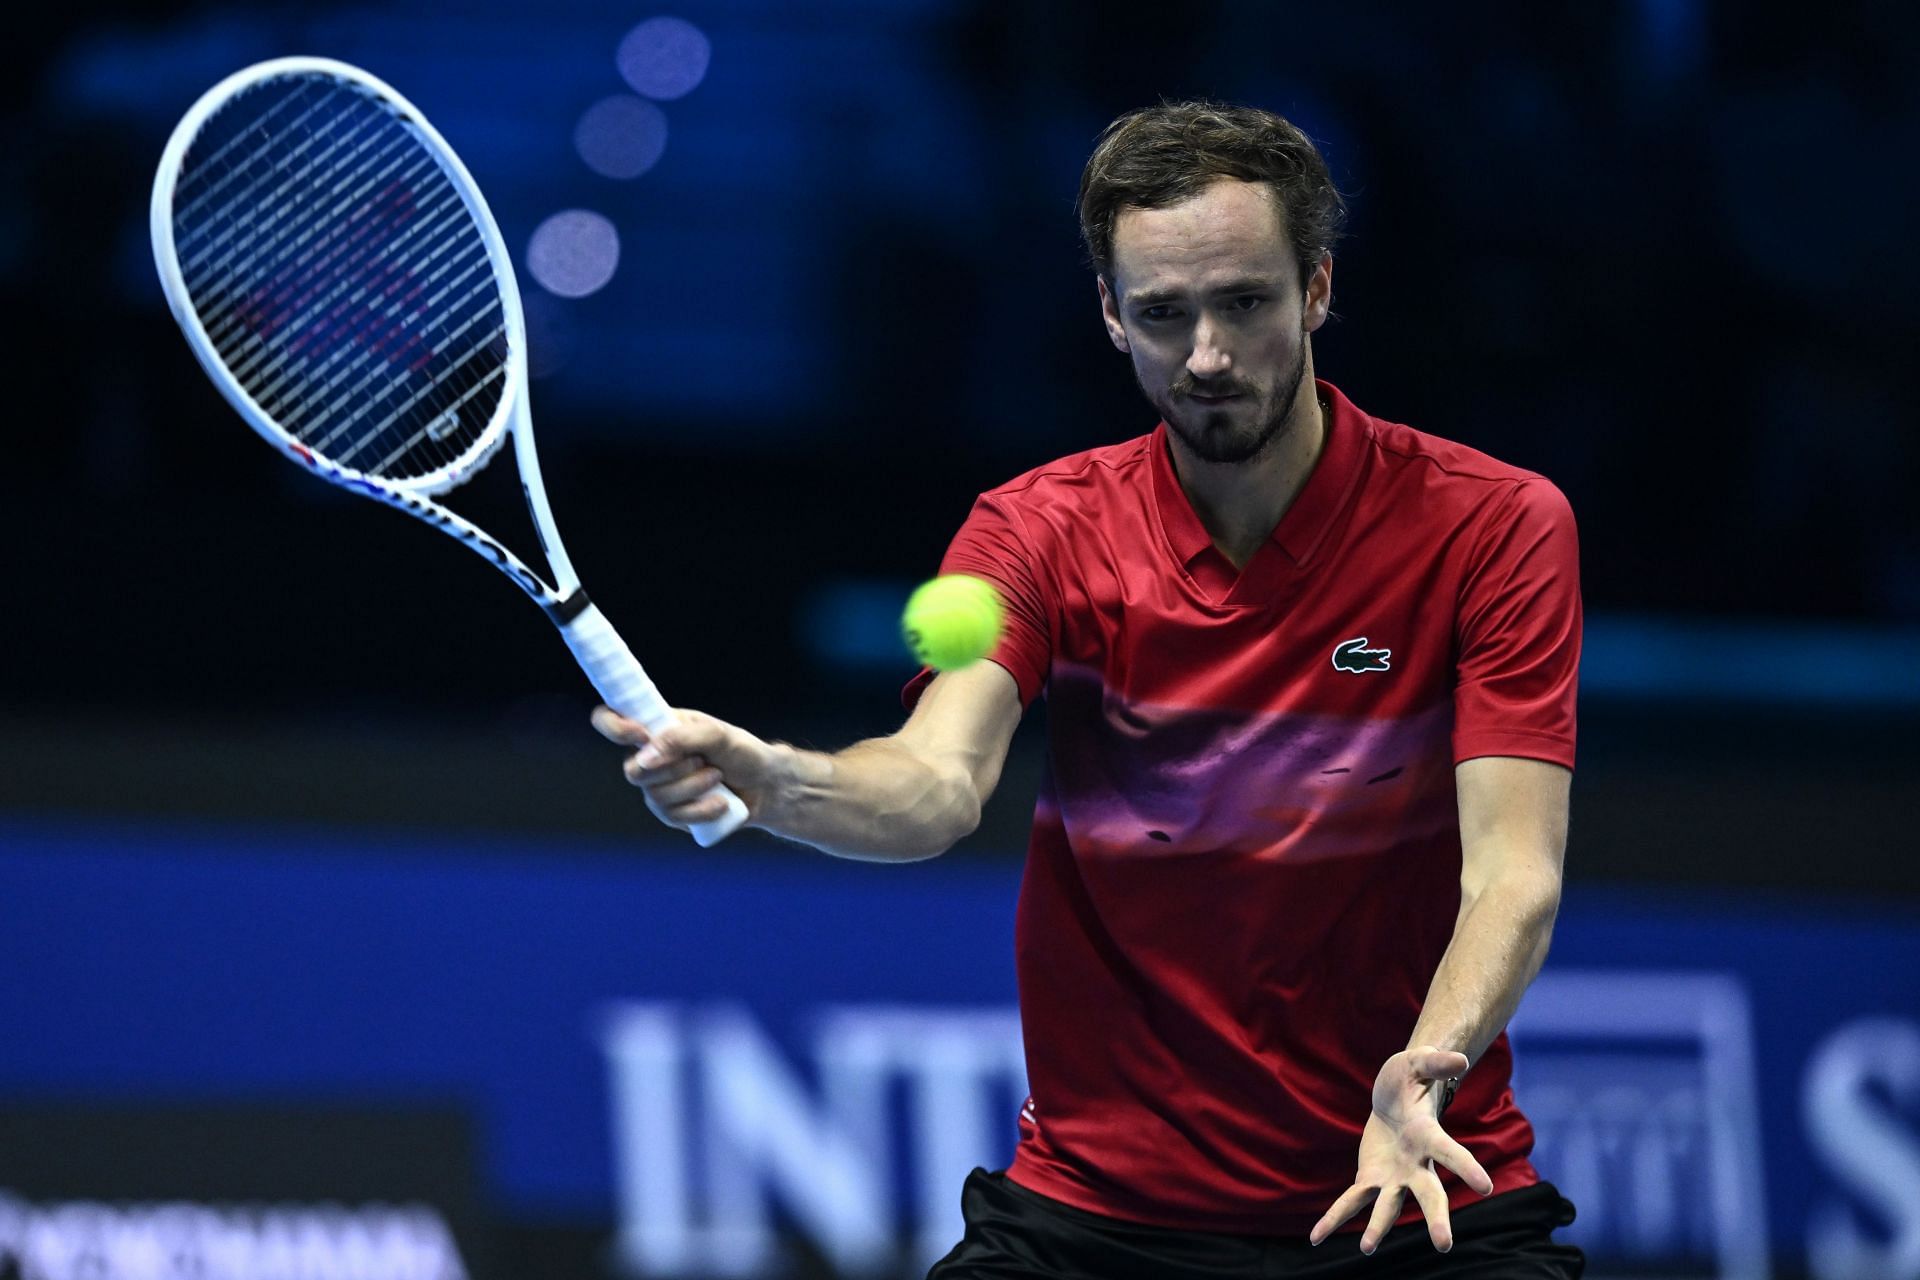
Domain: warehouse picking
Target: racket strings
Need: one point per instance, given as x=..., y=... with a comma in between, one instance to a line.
x=269, y=393
x=298, y=397
x=345, y=278
x=303, y=91
x=316, y=254
x=438, y=390
x=316, y=249
x=300, y=249
x=253, y=207
x=447, y=214
x=341, y=278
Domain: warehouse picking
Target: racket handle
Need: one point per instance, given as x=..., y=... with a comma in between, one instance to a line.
x=625, y=685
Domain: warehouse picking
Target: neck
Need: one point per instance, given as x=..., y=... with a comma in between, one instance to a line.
x=1240, y=503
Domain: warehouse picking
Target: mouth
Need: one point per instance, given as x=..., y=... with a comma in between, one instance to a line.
x=1210, y=401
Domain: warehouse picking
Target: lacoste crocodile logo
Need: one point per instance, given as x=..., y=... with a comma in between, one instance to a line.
x=1353, y=655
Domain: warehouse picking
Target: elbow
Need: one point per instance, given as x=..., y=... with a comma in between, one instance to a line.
x=1531, y=897
x=959, y=813
x=1548, y=898
x=1545, y=904
x=932, y=808
x=970, y=818
x=949, y=813
x=1539, y=906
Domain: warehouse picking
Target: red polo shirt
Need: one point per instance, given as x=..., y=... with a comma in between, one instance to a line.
x=1245, y=858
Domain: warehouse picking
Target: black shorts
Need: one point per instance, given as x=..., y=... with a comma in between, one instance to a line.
x=1017, y=1234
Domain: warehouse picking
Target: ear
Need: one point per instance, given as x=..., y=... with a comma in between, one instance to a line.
x=1319, y=293
x=1110, y=312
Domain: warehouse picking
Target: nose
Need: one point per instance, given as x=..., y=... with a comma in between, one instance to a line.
x=1209, y=358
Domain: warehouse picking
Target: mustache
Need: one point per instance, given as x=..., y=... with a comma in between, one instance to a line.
x=1187, y=386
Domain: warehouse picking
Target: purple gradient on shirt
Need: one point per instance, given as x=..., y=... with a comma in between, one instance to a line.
x=1142, y=778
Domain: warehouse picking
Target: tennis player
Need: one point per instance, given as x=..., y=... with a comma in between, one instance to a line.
x=1310, y=679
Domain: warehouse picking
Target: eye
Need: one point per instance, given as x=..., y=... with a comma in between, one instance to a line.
x=1248, y=302
x=1161, y=311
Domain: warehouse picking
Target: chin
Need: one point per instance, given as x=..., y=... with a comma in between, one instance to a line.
x=1215, y=436
x=1221, y=447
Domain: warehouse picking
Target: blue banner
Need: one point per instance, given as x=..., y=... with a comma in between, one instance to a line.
x=710, y=1052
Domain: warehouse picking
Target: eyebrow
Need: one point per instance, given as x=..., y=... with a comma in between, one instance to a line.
x=1244, y=284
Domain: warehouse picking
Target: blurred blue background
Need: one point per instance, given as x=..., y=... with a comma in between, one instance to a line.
x=299, y=812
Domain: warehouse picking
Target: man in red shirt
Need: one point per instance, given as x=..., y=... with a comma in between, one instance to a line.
x=1310, y=680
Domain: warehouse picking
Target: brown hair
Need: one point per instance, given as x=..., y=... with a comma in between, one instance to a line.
x=1159, y=156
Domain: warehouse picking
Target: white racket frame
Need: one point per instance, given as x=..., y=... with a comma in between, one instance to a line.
x=602, y=654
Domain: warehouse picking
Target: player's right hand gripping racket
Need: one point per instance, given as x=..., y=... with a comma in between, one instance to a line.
x=339, y=276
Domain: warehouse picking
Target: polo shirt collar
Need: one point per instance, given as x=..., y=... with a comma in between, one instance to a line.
x=1306, y=522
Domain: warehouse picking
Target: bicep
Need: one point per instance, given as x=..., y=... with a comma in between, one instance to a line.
x=966, y=719
x=1513, y=820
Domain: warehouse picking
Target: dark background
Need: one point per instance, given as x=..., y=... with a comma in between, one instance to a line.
x=1660, y=252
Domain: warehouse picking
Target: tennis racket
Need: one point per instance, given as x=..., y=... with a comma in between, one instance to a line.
x=341, y=280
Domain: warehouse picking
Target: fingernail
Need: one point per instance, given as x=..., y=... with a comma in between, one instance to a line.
x=649, y=757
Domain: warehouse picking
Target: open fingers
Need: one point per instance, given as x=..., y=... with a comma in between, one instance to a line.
x=1351, y=1201
x=1385, y=1210
x=1432, y=1198
x=1445, y=1151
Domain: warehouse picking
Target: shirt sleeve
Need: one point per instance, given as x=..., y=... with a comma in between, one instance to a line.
x=1517, y=632
x=993, y=545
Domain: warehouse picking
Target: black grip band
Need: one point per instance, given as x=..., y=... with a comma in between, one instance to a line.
x=564, y=611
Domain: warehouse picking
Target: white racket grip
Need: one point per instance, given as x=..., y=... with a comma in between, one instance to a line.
x=617, y=674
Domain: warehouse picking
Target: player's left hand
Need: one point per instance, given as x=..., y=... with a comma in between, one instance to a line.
x=1401, y=1144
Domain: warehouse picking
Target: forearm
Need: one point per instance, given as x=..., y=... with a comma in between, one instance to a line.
x=1499, y=942
x=878, y=801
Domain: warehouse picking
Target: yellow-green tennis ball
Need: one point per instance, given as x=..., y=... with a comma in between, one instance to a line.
x=951, y=621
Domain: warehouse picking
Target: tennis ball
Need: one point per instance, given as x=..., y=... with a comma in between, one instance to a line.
x=951, y=621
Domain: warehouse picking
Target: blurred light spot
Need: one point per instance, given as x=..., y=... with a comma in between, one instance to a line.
x=1672, y=42
x=573, y=253
x=664, y=58
x=855, y=622
x=621, y=137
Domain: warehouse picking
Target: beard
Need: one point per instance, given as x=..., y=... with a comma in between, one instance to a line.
x=1212, y=432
